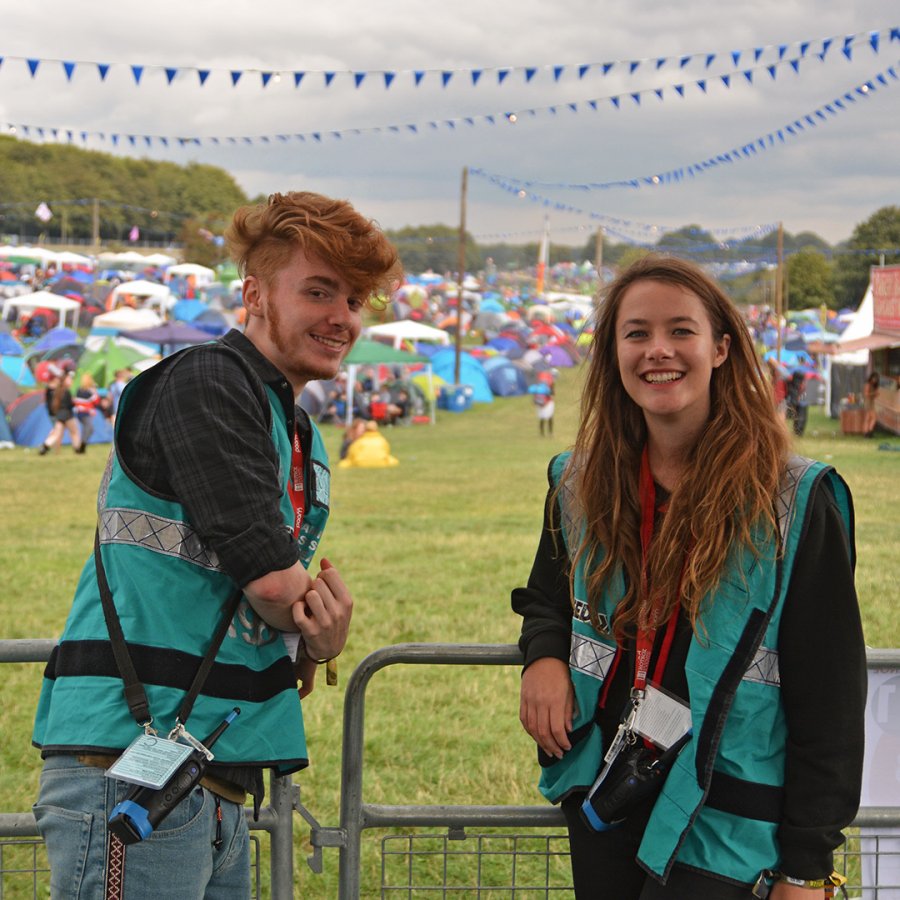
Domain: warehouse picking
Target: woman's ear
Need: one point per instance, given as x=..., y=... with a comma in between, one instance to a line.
x=722, y=346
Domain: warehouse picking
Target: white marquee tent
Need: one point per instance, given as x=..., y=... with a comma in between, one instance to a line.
x=407, y=330
x=59, y=304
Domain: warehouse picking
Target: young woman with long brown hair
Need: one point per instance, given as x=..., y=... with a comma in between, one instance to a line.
x=689, y=581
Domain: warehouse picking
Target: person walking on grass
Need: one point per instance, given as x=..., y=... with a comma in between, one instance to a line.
x=210, y=510
x=61, y=407
x=689, y=576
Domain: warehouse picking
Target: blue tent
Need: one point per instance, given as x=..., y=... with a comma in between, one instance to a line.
x=32, y=430
x=471, y=372
x=505, y=379
x=56, y=337
x=17, y=369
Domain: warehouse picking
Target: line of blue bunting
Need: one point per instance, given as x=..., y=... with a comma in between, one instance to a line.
x=69, y=135
x=779, y=137
x=774, y=53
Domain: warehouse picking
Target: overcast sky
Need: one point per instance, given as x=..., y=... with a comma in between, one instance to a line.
x=689, y=81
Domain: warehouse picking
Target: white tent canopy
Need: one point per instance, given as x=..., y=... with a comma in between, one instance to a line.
x=160, y=294
x=407, y=330
x=127, y=319
x=203, y=274
x=59, y=304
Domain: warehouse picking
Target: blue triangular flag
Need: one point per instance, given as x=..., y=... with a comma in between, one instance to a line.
x=637, y=98
x=476, y=75
x=137, y=71
x=873, y=41
x=710, y=59
x=684, y=61
x=632, y=67
x=771, y=71
x=679, y=89
x=235, y=77
x=298, y=77
x=757, y=53
x=265, y=77
x=33, y=66
x=170, y=75
x=607, y=67
x=795, y=65
x=726, y=80
x=501, y=75
x=583, y=70
x=749, y=76
x=557, y=71
x=418, y=77
x=614, y=101
x=69, y=68
x=736, y=57
x=702, y=85
x=202, y=74
x=530, y=73
x=389, y=78
x=660, y=62
x=329, y=77
x=446, y=76
x=359, y=78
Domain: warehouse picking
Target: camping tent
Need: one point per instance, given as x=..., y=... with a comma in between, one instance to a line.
x=407, y=330
x=151, y=293
x=471, y=372
x=124, y=319
x=61, y=305
x=505, y=379
x=30, y=422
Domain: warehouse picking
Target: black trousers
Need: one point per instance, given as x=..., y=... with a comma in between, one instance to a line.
x=604, y=864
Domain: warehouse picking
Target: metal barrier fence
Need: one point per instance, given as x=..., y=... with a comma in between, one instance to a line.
x=533, y=864
x=276, y=818
x=357, y=815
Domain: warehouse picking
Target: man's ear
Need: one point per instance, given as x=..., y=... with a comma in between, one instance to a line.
x=252, y=295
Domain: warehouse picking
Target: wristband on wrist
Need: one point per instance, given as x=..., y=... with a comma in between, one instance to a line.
x=769, y=877
x=302, y=653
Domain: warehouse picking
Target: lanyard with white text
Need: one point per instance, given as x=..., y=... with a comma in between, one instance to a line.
x=295, y=484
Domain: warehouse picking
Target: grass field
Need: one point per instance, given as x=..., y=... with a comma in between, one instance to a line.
x=431, y=549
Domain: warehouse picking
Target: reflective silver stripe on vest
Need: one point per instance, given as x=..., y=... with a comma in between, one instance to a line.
x=590, y=657
x=120, y=525
x=786, y=500
x=764, y=668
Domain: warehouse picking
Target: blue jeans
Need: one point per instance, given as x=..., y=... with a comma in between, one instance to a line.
x=178, y=860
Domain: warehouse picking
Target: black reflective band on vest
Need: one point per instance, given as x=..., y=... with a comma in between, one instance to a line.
x=171, y=669
x=749, y=799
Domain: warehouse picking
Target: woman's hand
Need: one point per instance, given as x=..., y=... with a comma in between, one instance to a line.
x=547, y=704
x=323, y=615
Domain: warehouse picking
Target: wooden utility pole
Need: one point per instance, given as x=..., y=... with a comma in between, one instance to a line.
x=95, y=226
x=461, y=265
x=779, y=290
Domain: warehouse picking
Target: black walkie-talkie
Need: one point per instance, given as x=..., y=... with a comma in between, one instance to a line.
x=135, y=818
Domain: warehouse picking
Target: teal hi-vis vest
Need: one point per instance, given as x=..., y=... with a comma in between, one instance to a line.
x=721, y=803
x=169, y=591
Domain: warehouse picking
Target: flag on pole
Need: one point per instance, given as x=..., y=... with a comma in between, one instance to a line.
x=543, y=257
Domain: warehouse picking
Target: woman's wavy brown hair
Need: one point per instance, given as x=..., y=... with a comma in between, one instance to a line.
x=261, y=239
x=728, y=487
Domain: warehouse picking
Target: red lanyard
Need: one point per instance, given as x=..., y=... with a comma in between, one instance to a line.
x=645, y=636
x=295, y=484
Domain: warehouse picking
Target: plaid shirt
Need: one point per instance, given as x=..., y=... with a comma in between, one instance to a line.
x=199, y=433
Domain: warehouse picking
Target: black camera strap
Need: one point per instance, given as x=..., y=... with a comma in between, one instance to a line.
x=135, y=695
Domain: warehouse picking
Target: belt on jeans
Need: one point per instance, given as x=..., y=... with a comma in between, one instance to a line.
x=227, y=790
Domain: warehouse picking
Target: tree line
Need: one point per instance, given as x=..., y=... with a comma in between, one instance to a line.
x=98, y=195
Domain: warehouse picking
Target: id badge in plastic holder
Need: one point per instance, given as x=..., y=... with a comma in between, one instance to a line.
x=149, y=761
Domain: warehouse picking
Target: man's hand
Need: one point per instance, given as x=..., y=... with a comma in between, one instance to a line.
x=547, y=704
x=323, y=615
x=782, y=891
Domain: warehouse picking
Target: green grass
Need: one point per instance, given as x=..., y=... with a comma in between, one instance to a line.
x=431, y=549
